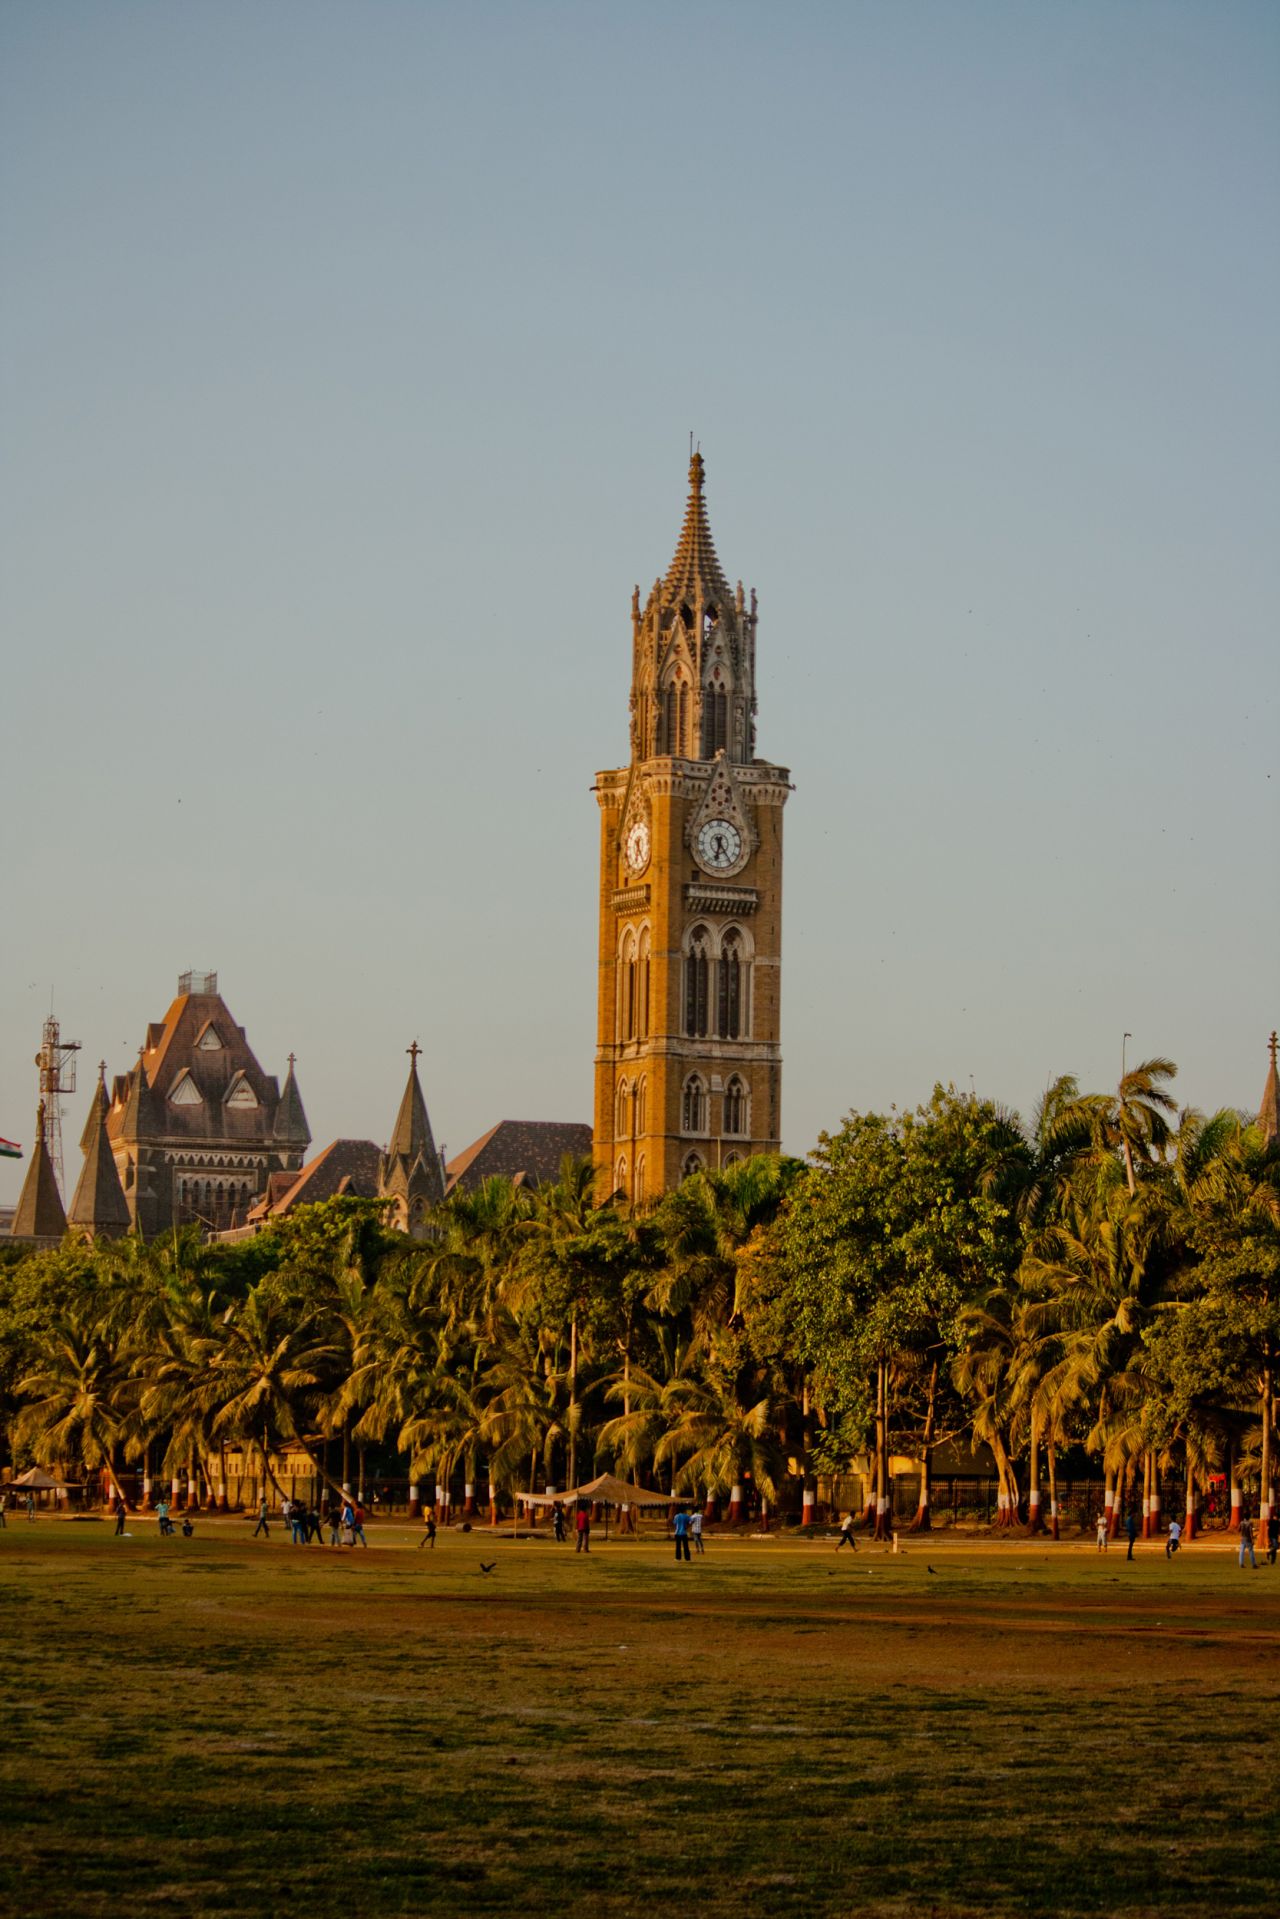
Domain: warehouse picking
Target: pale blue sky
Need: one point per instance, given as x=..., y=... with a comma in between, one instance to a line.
x=349, y=357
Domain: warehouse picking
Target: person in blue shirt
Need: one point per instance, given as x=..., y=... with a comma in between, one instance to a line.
x=681, y=1523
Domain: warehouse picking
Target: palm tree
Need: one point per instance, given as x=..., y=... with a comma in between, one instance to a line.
x=265, y=1376
x=83, y=1397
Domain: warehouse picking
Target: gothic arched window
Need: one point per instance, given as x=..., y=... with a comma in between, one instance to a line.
x=682, y=719
x=620, y=1175
x=735, y=1108
x=667, y=729
x=693, y=1164
x=642, y=1111
x=693, y=1107
x=731, y=1007
x=627, y=987
x=639, y=1174
x=642, y=984
x=715, y=721
x=697, y=967
x=622, y=1126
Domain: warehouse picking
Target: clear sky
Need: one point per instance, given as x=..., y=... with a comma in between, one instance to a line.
x=349, y=358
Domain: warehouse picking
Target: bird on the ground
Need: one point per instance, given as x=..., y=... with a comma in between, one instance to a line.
x=486, y=1570
x=931, y=1569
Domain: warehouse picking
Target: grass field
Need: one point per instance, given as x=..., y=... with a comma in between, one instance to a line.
x=223, y=1726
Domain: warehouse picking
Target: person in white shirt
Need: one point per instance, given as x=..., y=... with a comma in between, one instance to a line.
x=1174, y=1540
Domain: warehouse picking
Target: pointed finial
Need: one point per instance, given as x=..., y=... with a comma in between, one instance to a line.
x=413, y=1052
x=696, y=470
x=102, y=1071
x=1272, y=1043
x=292, y=1061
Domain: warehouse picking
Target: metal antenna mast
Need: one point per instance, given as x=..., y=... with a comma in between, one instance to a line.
x=57, y=1063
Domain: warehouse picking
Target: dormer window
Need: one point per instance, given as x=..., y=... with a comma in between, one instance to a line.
x=208, y=1040
x=184, y=1091
x=240, y=1094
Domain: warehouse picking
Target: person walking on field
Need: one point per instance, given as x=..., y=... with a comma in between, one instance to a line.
x=695, y=1529
x=1174, y=1540
x=584, y=1527
x=1273, y=1538
x=121, y=1512
x=681, y=1524
x=1131, y=1530
x=846, y=1533
x=262, y=1526
x=1102, y=1532
x=1246, y=1541
x=357, y=1525
x=429, y=1536
x=557, y=1523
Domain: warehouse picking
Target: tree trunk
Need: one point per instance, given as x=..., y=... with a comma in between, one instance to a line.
x=808, y=1491
x=1006, y=1483
x=1109, y=1501
x=573, y=1400
x=1051, y=1450
x=923, y=1521
x=1233, y=1483
x=346, y=1458
x=1266, y=1493
x=1189, y=1528
x=1035, y=1518
x=884, y=1522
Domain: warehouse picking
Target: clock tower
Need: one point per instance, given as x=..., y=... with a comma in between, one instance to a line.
x=688, y=1060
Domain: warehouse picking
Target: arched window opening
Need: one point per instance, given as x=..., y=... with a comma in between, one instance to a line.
x=620, y=1174
x=693, y=1164
x=682, y=719
x=697, y=968
x=667, y=741
x=622, y=1125
x=693, y=1114
x=733, y=976
x=640, y=1175
x=643, y=988
x=642, y=1109
x=735, y=1108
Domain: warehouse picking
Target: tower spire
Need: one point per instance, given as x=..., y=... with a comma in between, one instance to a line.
x=1269, y=1111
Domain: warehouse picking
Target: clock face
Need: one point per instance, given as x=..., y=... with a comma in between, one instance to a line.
x=638, y=846
x=719, y=845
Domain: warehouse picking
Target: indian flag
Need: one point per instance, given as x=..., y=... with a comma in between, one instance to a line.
x=10, y=1149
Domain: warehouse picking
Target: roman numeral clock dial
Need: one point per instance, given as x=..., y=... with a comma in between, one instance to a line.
x=719, y=845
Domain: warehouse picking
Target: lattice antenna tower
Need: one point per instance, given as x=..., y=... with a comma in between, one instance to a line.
x=57, y=1063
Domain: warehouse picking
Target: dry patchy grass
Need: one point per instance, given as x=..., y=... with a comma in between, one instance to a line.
x=226, y=1727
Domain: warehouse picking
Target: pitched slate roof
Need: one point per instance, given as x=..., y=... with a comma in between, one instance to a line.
x=135, y=1118
x=525, y=1150
x=346, y=1166
x=173, y=1055
x=99, y=1203
x=39, y=1213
